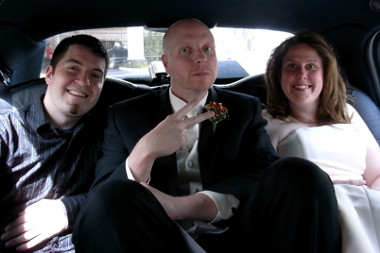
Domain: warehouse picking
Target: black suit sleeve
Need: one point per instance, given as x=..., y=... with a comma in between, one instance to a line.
x=111, y=162
x=127, y=122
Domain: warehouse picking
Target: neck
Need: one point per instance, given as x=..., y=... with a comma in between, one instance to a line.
x=305, y=113
x=188, y=95
x=307, y=120
x=61, y=121
x=57, y=118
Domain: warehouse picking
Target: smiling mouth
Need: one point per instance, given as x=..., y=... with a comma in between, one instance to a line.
x=77, y=93
x=302, y=87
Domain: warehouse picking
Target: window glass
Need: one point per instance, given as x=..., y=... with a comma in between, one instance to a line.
x=135, y=53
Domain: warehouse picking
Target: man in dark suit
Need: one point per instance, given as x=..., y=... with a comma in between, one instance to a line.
x=167, y=168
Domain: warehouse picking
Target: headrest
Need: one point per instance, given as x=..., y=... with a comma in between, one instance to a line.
x=22, y=55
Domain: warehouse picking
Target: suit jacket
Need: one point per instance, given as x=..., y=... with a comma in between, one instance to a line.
x=231, y=159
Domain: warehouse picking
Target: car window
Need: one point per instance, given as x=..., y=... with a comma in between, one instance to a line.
x=135, y=52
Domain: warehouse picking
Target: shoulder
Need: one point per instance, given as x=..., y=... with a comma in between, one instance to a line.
x=356, y=120
x=274, y=125
x=146, y=107
x=138, y=99
x=278, y=129
x=273, y=121
x=12, y=121
x=350, y=109
x=13, y=114
x=353, y=114
x=139, y=103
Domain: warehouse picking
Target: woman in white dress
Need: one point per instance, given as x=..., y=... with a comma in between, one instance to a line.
x=308, y=117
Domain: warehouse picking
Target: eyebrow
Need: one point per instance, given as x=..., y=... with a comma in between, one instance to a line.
x=80, y=63
x=291, y=60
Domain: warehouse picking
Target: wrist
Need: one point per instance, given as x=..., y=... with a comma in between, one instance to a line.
x=63, y=211
x=139, y=166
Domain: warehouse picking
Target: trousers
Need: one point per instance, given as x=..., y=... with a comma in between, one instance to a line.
x=291, y=209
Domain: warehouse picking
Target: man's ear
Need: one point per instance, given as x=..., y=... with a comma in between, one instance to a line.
x=164, y=60
x=48, y=74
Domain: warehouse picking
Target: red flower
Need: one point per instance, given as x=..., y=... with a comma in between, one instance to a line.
x=221, y=113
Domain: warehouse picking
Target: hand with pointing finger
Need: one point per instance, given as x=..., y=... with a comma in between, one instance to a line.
x=169, y=136
x=163, y=140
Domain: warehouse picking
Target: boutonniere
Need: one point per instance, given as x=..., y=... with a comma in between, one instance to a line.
x=221, y=113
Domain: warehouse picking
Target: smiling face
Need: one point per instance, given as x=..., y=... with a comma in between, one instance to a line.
x=190, y=58
x=74, y=86
x=302, y=77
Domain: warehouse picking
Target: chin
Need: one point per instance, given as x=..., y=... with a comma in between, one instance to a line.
x=74, y=110
x=205, y=85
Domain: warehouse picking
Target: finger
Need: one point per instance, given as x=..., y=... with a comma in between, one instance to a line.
x=14, y=231
x=18, y=231
x=22, y=238
x=198, y=119
x=19, y=220
x=181, y=113
x=14, y=224
x=9, y=234
x=32, y=243
x=188, y=107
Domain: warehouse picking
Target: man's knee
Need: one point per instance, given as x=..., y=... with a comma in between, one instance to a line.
x=114, y=192
x=300, y=174
x=106, y=204
x=298, y=168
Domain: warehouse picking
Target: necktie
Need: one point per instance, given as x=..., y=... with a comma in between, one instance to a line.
x=191, y=134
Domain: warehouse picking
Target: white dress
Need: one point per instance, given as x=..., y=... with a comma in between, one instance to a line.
x=344, y=152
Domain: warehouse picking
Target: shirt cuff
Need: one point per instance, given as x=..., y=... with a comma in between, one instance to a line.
x=225, y=203
x=72, y=205
x=130, y=174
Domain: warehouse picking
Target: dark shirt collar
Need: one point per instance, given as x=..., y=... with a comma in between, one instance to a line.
x=36, y=117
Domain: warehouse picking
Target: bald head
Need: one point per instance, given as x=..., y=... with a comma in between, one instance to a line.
x=184, y=25
x=189, y=58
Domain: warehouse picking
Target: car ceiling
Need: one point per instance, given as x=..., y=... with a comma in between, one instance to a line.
x=44, y=18
x=349, y=25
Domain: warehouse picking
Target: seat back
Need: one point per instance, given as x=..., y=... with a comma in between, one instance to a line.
x=251, y=85
x=367, y=109
x=116, y=90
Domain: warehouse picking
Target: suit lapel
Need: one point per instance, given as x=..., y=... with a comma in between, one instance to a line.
x=207, y=144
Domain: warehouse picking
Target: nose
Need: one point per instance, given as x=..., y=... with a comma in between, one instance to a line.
x=302, y=73
x=201, y=57
x=83, y=79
